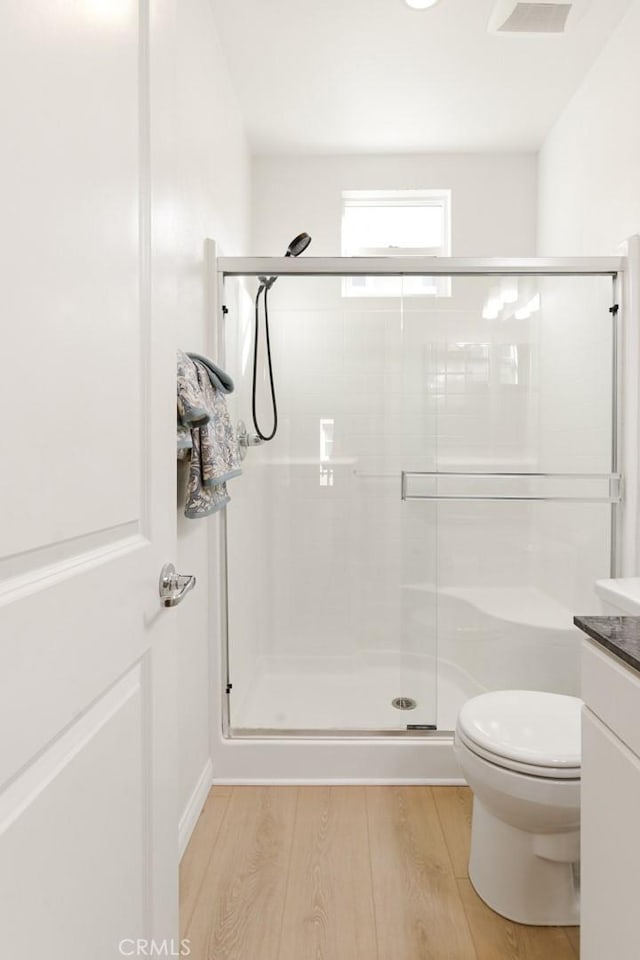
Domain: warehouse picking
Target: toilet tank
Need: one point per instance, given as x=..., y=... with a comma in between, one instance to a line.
x=619, y=598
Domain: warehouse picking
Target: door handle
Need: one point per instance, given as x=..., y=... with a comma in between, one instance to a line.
x=174, y=586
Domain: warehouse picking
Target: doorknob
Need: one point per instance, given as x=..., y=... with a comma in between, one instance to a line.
x=174, y=586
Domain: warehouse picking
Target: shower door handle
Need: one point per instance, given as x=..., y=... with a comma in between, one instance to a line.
x=174, y=587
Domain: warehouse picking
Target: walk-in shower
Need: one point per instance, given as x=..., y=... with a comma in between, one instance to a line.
x=440, y=497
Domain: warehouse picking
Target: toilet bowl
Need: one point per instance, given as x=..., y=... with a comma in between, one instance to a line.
x=520, y=754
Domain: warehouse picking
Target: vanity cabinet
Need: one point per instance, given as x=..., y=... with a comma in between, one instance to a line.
x=610, y=802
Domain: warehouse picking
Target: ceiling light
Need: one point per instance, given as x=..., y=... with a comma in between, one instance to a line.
x=421, y=4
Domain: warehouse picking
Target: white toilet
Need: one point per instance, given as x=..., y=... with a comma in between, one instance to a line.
x=520, y=753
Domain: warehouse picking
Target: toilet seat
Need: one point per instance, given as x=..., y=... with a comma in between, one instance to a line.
x=525, y=731
x=531, y=770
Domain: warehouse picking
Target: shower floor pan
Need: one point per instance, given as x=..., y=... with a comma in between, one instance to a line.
x=513, y=637
x=325, y=694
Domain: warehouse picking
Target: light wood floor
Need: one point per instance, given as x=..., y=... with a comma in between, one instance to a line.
x=344, y=873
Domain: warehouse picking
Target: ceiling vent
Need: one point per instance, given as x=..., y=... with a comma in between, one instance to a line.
x=535, y=17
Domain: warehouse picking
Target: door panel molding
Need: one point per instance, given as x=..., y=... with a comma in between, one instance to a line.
x=27, y=785
x=36, y=569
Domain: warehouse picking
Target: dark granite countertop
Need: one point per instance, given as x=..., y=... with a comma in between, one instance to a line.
x=620, y=635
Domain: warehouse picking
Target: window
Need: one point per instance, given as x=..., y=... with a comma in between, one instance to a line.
x=397, y=223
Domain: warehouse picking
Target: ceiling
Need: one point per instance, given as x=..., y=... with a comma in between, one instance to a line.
x=374, y=76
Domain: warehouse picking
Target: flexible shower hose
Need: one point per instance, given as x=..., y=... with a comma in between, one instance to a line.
x=263, y=436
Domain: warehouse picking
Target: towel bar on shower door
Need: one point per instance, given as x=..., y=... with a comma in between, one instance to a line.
x=514, y=487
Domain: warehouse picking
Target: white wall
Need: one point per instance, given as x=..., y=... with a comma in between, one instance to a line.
x=493, y=205
x=589, y=204
x=589, y=168
x=213, y=201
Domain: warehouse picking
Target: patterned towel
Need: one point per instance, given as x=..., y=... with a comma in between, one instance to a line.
x=202, y=413
x=220, y=379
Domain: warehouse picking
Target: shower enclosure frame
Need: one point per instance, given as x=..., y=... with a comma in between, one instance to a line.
x=625, y=286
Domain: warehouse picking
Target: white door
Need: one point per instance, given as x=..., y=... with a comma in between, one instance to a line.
x=88, y=826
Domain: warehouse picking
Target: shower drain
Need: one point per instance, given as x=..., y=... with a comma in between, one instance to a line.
x=404, y=703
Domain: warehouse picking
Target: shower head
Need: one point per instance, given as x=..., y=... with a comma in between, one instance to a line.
x=298, y=245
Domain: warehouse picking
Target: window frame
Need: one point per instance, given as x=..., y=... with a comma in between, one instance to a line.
x=398, y=198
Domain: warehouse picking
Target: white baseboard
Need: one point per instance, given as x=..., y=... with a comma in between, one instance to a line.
x=367, y=761
x=194, y=807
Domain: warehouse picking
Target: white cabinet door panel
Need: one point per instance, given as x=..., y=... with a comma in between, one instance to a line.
x=610, y=845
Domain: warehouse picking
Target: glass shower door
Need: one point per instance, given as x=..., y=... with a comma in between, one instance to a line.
x=331, y=627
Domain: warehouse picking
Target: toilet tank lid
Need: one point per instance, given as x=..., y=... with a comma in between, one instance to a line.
x=527, y=725
x=622, y=594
